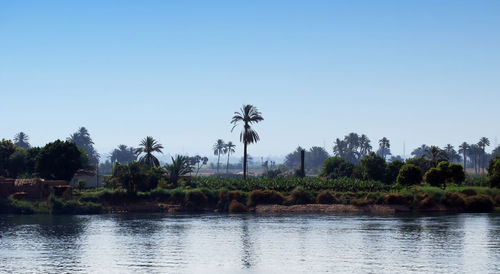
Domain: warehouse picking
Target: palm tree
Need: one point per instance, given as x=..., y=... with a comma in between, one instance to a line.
x=123, y=154
x=384, y=146
x=229, y=148
x=218, y=150
x=21, y=140
x=248, y=115
x=180, y=166
x=364, y=145
x=436, y=155
x=463, y=149
x=149, y=145
x=483, y=143
x=340, y=148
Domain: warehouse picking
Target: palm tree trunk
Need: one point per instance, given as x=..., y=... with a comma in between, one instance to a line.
x=218, y=161
x=465, y=161
x=244, y=159
x=227, y=165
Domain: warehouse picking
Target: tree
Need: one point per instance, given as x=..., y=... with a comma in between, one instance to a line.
x=409, y=174
x=247, y=115
x=392, y=171
x=218, y=149
x=451, y=153
x=384, y=147
x=340, y=148
x=494, y=172
x=17, y=164
x=292, y=160
x=315, y=157
x=475, y=155
x=364, y=145
x=495, y=152
x=132, y=176
x=198, y=161
x=373, y=167
x=59, y=160
x=352, y=148
x=148, y=146
x=7, y=148
x=463, y=150
x=22, y=140
x=435, y=155
x=444, y=174
x=483, y=143
x=123, y=154
x=229, y=149
x=420, y=152
x=82, y=139
x=180, y=166
x=337, y=167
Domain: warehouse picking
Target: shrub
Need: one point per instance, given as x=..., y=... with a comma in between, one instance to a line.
x=299, y=196
x=336, y=167
x=409, y=174
x=362, y=202
x=237, y=207
x=454, y=199
x=479, y=203
x=81, y=184
x=195, y=199
x=177, y=196
x=469, y=192
x=226, y=198
x=422, y=201
x=265, y=197
x=326, y=197
x=435, y=177
x=62, y=206
x=456, y=173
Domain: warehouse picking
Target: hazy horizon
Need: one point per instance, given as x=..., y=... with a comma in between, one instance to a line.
x=414, y=72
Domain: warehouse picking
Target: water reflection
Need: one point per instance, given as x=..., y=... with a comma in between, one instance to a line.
x=214, y=243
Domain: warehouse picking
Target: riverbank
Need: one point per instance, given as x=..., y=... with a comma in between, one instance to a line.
x=416, y=199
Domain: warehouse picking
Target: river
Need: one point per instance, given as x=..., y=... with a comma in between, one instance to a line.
x=220, y=243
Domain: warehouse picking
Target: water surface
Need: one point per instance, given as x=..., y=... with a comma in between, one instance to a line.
x=211, y=243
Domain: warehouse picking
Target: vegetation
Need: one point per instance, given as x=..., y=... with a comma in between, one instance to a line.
x=82, y=139
x=148, y=146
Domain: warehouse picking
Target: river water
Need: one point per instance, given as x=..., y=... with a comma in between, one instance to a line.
x=218, y=243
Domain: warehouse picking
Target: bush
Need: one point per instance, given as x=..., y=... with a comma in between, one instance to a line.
x=456, y=173
x=454, y=199
x=326, y=197
x=336, y=167
x=226, y=198
x=479, y=203
x=195, y=199
x=435, y=177
x=299, y=196
x=237, y=207
x=265, y=197
x=81, y=184
x=409, y=174
x=469, y=192
x=62, y=206
x=422, y=201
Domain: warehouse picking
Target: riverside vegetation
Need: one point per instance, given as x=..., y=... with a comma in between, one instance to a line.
x=355, y=176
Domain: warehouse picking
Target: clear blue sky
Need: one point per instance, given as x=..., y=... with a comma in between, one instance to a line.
x=413, y=71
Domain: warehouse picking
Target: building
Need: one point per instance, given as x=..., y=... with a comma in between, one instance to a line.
x=89, y=176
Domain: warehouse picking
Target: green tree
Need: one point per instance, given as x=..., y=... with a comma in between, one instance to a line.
x=337, y=167
x=392, y=171
x=451, y=153
x=82, y=139
x=373, y=167
x=435, y=155
x=229, y=149
x=219, y=149
x=494, y=172
x=315, y=157
x=21, y=140
x=148, y=146
x=420, y=152
x=247, y=115
x=59, y=160
x=7, y=148
x=17, y=164
x=409, y=174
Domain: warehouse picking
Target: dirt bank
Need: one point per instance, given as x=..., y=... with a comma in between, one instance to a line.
x=339, y=208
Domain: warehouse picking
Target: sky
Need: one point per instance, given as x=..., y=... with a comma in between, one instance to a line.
x=416, y=72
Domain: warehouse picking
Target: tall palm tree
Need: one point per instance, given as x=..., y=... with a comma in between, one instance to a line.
x=149, y=145
x=483, y=143
x=463, y=149
x=229, y=148
x=340, y=148
x=384, y=146
x=364, y=145
x=218, y=150
x=22, y=140
x=247, y=115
